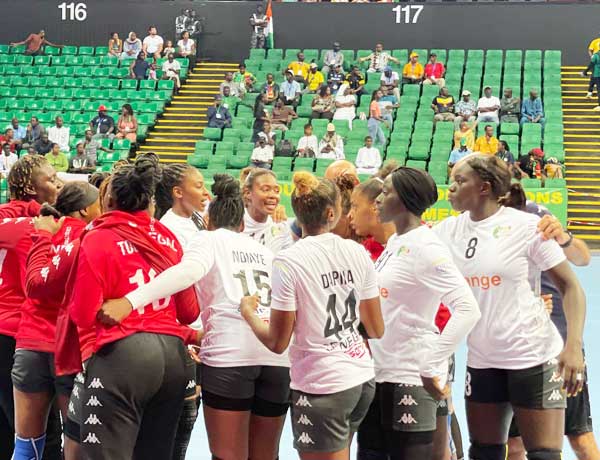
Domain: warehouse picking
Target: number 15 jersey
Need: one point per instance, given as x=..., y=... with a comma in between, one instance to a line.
x=495, y=255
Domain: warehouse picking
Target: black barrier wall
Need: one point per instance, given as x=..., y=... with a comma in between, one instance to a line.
x=226, y=36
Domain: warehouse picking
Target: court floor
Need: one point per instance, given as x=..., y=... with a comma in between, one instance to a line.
x=589, y=277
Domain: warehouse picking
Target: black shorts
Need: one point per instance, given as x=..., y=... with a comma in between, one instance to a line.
x=538, y=387
x=33, y=372
x=263, y=390
x=72, y=427
x=190, y=372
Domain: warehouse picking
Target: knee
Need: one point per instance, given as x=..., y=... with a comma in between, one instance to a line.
x=487, y=451
x=544, y=454
x=583, y=443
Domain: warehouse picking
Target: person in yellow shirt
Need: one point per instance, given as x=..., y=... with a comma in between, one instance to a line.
x=413, y=71
x=465, y=132
x=487, y=143
x=299, y=68
x=57, y=159
x=594, y=46
x=314, y=79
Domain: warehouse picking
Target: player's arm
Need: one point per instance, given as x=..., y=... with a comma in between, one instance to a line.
x=275, y=335
x=576, y=250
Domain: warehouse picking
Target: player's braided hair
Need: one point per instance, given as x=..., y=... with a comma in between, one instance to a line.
x=227, y=208
x=172, y=176
x=21, y=176
x=133, y=186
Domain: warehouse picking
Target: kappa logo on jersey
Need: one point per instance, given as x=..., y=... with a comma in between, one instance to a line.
x=407, y=419
x=501, y=231
x=408, y=400
x=556, y=377
x=68, y=248
x=303, y=402
x=94, y=402
x=95, y=383
x=555, y=396
x=92, y=439
x=93, y=420
x=304, y=420
x=191, y=384
x=44, y=272
x=56, y=260
x=71, y=407
x=305, y=438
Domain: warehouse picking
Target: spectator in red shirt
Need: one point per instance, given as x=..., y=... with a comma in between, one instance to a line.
x=9, y=138
x=35, y=44
x=434, y=72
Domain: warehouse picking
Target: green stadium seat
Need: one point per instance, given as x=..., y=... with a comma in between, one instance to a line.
x=204, y=146
x=275, y=53
x=86, y=51
x=555, y=183
x=4, y=49
x=531, y=183
x=213, y=134
x=101, y=50
x=417, y=164
x=304, y=164
x=199, y=159
x=282, y=164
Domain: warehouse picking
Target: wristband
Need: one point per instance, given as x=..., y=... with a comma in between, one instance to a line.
x=569, y=241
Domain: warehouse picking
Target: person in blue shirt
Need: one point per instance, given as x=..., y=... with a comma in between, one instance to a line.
x=290, y=90
x=218, y=115
x=457, y=154
x=532, y=110
x=19, y=131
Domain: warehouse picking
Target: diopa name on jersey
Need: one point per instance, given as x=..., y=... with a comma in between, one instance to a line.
x=336, y=278
x=484, y=282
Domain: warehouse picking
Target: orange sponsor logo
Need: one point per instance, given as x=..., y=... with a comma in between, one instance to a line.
x=383, y=292
x=484, y=282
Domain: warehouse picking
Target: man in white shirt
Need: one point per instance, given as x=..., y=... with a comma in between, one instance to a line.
x=171, y=69
x=368, y=160
x=488, y=107
x=308, y=145
x=262, y=155
x=59, y=134
x=153, y=43
x=331, y=146
x=7, y=160
x=186, y=48
x=390, y=81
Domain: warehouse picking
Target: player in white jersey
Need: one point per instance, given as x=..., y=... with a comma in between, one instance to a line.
x=415, y=273
x=324, y=293
x=245, y=386
x=261, y=198
x=516, y=357
x=181, y=198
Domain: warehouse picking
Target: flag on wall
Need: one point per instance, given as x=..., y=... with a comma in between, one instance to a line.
x=270, y=35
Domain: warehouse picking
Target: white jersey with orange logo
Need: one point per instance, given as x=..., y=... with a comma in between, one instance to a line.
x=274, y=236
x=415, y=273
x=495, y=256
x=323, y=279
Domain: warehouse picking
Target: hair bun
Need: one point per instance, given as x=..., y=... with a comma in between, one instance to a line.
x=304, y=182
x=345, y=182
x=225, y=186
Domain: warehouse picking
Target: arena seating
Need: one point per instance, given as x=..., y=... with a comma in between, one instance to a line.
x=413, y=140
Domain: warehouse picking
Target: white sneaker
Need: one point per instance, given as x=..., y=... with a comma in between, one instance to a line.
x=596, y=109
x=588, y=96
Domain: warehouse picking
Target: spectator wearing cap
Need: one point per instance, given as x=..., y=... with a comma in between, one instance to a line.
x=532, y=110
x=314, y=79
x=487, y=143
x=332, y=59
x=465, y=110
x=299, y=68
x=413, y=71
x=218, y=116
x=60, y=134
x=331, y=146
x=153, y=43
x=102, y=125
x=81, y=163
x=443, y=106
x=458, y=154
x=356, y=81
x=270, y=89
x=35, y=44
x=509, y=107
x=390, y=81
x=262, y=154
x=531, y=166
x=378, y=59
x=323, y=104
x=488, y=107
x=290, y=90
x=139, y=68
x=434, y=72
x=335, y=78
x=7, y=160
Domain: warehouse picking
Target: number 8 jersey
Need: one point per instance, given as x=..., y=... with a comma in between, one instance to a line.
x=323, y=279
x=495, y=255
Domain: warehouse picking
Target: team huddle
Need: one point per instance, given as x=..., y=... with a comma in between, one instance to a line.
x=126, y=304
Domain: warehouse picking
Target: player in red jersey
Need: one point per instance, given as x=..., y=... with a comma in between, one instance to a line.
x=55, y=246
x=135, y=382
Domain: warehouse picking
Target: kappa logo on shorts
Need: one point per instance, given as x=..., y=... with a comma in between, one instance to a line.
x=94, y=402
x=442, y=403
x=303, y=402
x=407, y=419
x=556, y=377
x=408, y=400
x=305, y=438
x=93, y=420
x=92, y=439
x=95, y=383
x=71, y=407
x=304, y=420
x=76, y=392
x=191, y=384
x=79, y=378
x=555, y=396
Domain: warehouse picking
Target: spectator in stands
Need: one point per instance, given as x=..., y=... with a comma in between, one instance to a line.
x=509, y=107
x=368, y=160
x=261, y=116
x=270, y=89
x=82, y=163
x=7, y=160
x=9, y=139
x=314, y=79
x=504, y=154
x=299, y=68
x=262, y=155
x=168, y=49
x=60, y=134
x=31, y=151
x=375, y=119
x=35, y=44
x=434, y=72
x=458, y=153
x=33, y=132
x=531, y=166
x=487, y=143
x=115, y=45
x=388, y=103
x=466, y=131
x=132, y=46
x=127, y=124
x=290, y=90
x=230, y=102
x=308, y=145
x=413, y=71
x=488, y=106
x=268, y=134
x=282, y=116
x=186, y=48
x=18, y=131
x=390, y=81
x=323, y=104
x=345, y=105
x=171, y=69
x=139, y=68
x=465, y=110
x=244, y=79
x=332, y=59
x=259, y=22
x=218, y=116
x=234, y=88
x=153, y=43
x=91, y=145
x=42, y=146
x=356, y=80
x=57, y=159
x=443, y=106
x=378, y=59
x=335, y=78
x=532, y=110
x=331, y=146
x=102, y=125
